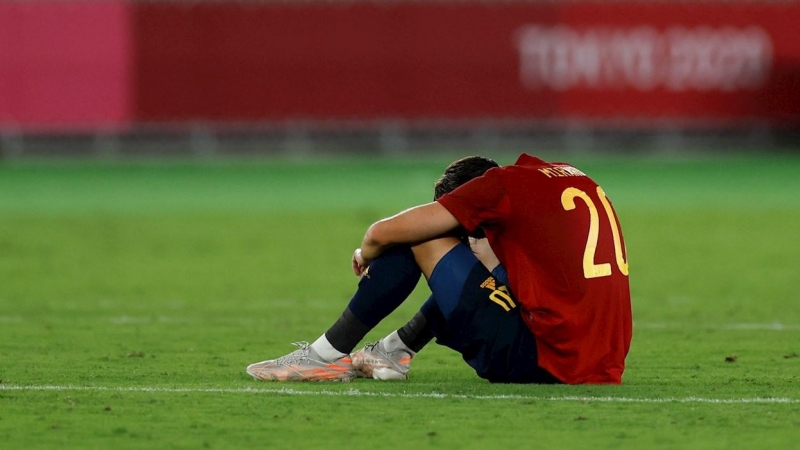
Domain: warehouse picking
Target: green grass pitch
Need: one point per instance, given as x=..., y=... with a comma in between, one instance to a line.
x=133, y=296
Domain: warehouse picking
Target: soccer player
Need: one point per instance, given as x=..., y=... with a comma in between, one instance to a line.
x=546, y=301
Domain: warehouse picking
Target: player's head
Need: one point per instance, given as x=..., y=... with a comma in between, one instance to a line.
x=458, y=173
x=461, y=171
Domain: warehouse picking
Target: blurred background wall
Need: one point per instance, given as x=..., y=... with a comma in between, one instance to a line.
x=120, y=78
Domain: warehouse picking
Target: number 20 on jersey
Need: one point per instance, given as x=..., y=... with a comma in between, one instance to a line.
x=590, y=269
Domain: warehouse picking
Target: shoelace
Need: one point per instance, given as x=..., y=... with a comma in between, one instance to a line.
x=297, y=355
x=370, y=346
x=373, y=347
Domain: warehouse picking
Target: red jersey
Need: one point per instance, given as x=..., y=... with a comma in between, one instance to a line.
x=557, y=235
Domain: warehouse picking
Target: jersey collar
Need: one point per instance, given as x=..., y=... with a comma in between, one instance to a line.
x=528, y=160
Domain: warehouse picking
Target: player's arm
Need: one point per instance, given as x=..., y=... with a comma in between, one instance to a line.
x=414, y=225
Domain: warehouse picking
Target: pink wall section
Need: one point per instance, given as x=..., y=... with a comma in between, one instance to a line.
x=65, y=66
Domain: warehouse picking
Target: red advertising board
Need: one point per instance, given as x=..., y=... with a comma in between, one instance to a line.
x=705, y=63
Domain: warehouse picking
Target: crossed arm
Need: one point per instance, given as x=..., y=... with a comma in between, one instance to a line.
x=418, y=224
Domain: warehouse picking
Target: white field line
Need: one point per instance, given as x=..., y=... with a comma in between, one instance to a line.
x=143, y=320
x=431, y=395
x=10, y=319
x=166, y=320
x=766, y=326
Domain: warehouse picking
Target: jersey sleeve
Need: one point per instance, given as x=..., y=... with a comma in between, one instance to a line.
x=481, y=202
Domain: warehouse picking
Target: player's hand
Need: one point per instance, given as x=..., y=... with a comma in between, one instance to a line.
x=483, y=251
x=359, y=263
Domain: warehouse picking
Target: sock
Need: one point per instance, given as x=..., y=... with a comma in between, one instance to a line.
x=389, y=281
x=393, y=342
x=415, y=334
x=346, y=332
x=325, y=350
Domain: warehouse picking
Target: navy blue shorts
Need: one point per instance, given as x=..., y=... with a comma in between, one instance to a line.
x=478, y=317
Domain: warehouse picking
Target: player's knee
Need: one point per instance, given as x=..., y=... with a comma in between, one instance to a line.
x=428, y=254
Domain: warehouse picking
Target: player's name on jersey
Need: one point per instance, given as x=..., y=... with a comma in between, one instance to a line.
x=561, y=171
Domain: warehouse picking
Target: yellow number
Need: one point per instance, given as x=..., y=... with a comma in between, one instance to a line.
x=590, y=269
x=621, y=263
x=501, y=297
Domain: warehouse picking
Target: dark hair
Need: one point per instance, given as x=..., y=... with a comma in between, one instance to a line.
x=458, y=173
x=461, y=171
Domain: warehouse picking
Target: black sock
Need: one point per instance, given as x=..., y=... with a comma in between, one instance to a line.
x=389, y=281
x=347, y=332
x=416, y=333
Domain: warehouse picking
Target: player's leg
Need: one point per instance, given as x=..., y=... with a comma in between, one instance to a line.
x=389, y=281
x=482, y=320
x=390, y=358
x=479, y=317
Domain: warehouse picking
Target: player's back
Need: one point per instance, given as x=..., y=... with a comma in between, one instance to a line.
x=564, y=251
